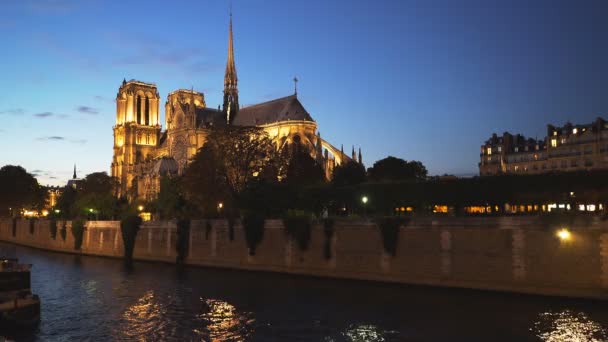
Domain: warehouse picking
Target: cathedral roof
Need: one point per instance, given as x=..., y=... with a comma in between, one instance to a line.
x=165, y=166
x=283, y=109
x=209, y=117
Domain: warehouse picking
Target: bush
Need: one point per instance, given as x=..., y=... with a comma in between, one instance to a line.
x=64, y=230
x=328, y=230
x=208, y=228
x=389, y=228
x=231, y=222
x=253, y=224
x=14, y=226
x=297, y=227
x=129, y=227
x=53, y=228
x=32, y=225
x=78, y=232
x=183, y=237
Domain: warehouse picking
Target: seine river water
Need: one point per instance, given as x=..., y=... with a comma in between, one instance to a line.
x=98, y=299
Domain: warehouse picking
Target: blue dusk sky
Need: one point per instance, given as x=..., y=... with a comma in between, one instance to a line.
x=420, y=80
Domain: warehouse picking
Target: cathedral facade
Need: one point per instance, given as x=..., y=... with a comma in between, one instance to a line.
x=143, y=152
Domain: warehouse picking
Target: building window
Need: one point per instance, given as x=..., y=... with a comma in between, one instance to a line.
x=516, y=149
x=553, y=142
x=573, y=163
x=516, y=168
x=588, y=163
x=489, y=151
x=564, y=164
x=499, y=148
x=575, y=130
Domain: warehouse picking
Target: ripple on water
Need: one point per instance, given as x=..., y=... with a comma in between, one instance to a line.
x=569, y=326
x=221, y=321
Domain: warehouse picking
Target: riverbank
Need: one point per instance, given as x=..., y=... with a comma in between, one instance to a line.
x=514, y=254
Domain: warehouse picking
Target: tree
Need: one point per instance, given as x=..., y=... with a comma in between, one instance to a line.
x=95, y=197
x=349, y=173
x=229, y=160
x=170, y=202
x=18, y=190
x=302, y=169
x=394, y=169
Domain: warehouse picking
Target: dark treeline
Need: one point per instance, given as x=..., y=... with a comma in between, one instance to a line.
x=240, y=172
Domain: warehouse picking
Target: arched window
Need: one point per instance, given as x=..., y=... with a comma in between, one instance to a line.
x=139, y=103
x=147, y=114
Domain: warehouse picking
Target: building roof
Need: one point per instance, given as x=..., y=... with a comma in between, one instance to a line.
x=283, y=109
x=206, y=117
x=165, y=166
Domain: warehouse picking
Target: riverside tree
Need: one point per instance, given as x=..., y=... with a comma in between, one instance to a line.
x=18, y=189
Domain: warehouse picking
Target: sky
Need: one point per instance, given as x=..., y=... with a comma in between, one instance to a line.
x=426, y=80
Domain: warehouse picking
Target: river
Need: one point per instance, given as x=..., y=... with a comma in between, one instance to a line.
x=99, y=299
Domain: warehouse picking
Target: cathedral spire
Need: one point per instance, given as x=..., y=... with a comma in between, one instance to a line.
x=231, y=92
x=74, y=176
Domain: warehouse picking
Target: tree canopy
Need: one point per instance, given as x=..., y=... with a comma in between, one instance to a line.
x=18, y=190
x=397, y=169
x=349, y=173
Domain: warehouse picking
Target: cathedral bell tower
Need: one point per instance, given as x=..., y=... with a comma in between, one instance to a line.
x=136, y=133
x=231, y=92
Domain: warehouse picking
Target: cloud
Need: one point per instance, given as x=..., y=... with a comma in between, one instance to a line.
x=104, y=99
x=61, y=138
x=43, y=115
x=52, y=138
x=14, y=111
x=87, y=110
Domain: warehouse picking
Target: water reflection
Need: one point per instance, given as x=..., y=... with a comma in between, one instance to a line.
x=221, y=321
x=365, y=333
x=569, y=326
x=144, y=318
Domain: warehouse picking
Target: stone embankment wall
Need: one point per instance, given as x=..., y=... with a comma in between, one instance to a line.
x=501, y=253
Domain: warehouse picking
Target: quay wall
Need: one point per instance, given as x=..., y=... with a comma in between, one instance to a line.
x=514, y=254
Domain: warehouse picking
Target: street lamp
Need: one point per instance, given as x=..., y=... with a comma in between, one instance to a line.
x=140, y=208
x=364, y=200
x=220, y=206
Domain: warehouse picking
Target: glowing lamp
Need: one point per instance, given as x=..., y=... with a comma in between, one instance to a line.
x=564, y=234
x=364, y=199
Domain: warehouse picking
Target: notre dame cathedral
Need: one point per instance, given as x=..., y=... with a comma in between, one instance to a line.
x=143, y=152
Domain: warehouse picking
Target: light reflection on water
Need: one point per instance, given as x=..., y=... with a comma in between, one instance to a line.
x=569, y=326
x=221, y=321
x=144, y=318
x=97, y=299
x=366, y=333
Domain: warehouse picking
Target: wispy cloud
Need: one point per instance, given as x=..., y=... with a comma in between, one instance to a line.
x=59, y=138
x=43, y=115
x=52, y=138
x=14, y=111
x=87, y=110
x=104, y=99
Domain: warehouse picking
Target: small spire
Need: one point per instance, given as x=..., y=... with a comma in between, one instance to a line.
x=74, y=176
x=295, y=86
x=360, y=158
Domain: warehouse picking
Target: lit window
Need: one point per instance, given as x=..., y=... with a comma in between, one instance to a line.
x=554, y=133
x=517, y=149
x=489, y=151
x=499, y=148
x=553, y=142
x=516, y=168
x=574, y=131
